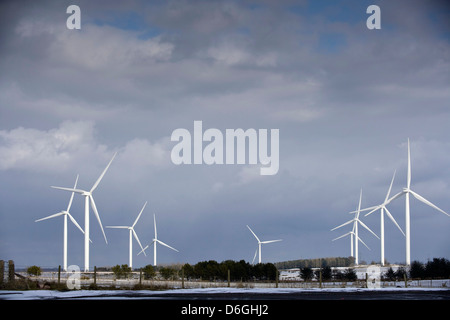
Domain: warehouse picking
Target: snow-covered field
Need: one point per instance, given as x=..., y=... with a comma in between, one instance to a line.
x=149, y=294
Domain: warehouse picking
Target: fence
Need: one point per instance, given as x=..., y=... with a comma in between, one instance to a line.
x=7, y=271
x=107, y=279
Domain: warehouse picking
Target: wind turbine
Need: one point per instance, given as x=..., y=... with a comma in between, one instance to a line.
x=132, y=233
x=382, y=208
x=351, y=234
x=407, y=191
x=66, y=214
x=154, y=242
x=357, y=221
x=88, y=196
x=260, y=243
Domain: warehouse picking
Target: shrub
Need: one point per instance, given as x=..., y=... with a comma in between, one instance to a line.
x=306, y=273
x=34, y=271
x=167, y=272
x=149, y=272
x=122, y=271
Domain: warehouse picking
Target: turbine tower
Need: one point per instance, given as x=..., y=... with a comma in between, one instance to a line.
x=132, y=233
x=154, y=242
x=382, y=208
x=88, y=196
x=65, y=213
x=357, y=221
x=407, y=191
x=260, y=243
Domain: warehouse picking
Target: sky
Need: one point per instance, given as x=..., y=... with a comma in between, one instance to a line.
x=344, y=98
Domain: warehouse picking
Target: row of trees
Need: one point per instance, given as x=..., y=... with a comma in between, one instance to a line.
x=317, y=263
x=436, y=268
x=239, y=270
x=206, y=270
x=307, y=274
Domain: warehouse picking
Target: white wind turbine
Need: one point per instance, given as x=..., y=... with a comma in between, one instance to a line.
x=356, y=221
x=407, y=191
x=382, y=208
x=154, y=242
x=132, y=233
x=352, y=234
x=260, y=243
x=65, y=213
x=88, y=196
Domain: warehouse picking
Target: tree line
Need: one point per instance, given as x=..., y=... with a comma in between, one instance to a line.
x=316, y=263
x=206, y=270
x=327, y=274
x=239, y=270
x=436, y=268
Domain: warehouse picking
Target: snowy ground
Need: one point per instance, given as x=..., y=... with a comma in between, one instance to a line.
x=226, y=293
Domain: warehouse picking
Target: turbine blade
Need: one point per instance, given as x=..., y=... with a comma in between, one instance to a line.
x=363, y=224
x=139, y=215
x=116, y=227
x=154, y=223
x=69, y=189
x=137, y=239
x=393, y=220
x=270, y=241
x=342, y=236
x=408, y=179
x=419, y=197
x=254, y=257
x=365, y=209
x=390, y=188
x=359, y=204
x=51, y=216
x=394, y=197
x=165, y=244
x=97, y=216
x=344, y=224
x=71, y=197
x=253, y=233
x=143, y=250
x=363, y=243
x=103, y=173
x=75, y=222
x=378, y=207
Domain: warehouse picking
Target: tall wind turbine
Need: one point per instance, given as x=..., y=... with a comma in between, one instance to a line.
x=65, y=213
x=357, y=221
x=407, y=191
x=154, y=242
x=260, y=243
x=382, y=208
x=132, y=233
x=88, y=196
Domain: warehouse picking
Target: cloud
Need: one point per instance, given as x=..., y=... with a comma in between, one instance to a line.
x=58, y=149
x=142, y=153
x=108, y=49
x=94, y=48
x=51, y=150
